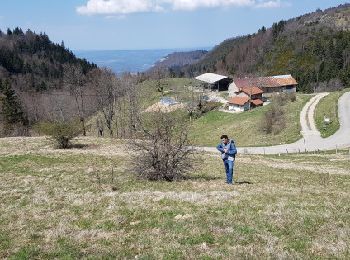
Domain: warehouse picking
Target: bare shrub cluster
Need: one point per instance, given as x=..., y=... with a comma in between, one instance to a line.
x=163, y=152
x=60, y=131
x=274, y=119
x=283, y=98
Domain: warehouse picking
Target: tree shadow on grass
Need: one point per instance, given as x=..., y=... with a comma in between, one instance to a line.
x=80, y=146
x=243, y=182
x=205, y=178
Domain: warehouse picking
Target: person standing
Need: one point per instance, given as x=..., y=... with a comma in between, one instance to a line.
x=228, y=151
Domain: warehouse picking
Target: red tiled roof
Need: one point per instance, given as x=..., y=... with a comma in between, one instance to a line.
x=265, y=82
x=257, y=102
x=252, y=90
x=238, y=100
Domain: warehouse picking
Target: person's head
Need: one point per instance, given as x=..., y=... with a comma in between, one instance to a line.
x=224, y=139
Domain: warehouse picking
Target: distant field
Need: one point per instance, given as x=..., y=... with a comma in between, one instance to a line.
x=328, y=106
x=245, y=128
x=68, y=204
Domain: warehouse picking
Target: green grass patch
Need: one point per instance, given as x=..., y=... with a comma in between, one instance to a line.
x=328, y=107
x=245, y=128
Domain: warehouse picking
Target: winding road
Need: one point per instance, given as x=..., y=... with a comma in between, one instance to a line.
x=312, y=140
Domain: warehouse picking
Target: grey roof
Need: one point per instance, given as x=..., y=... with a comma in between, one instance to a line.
x=210, y=78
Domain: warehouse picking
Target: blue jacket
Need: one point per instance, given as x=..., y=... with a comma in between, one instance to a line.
x=231, y=149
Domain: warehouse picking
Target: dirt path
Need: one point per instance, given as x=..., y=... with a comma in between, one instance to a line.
x=307, y=120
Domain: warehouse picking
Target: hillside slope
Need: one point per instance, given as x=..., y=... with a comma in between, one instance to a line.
x=32, y=80
x=87, y=203
x=175, y=60
x=314, y=48
x=32, y=62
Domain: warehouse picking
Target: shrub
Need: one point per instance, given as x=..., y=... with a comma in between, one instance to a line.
x=163, y=153
x=198, y=110
x=209, y=106
x=274, y=119
x=292, y=97
x=61, y=132
x=283, y=98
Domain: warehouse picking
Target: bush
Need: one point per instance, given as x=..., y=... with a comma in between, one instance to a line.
x=61, y=132
x=209, y=106
x=283, y=98
x=198, y=110
x=274, y=119
x=163, y=153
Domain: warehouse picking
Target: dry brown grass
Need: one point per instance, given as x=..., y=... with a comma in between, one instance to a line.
x=68, y=204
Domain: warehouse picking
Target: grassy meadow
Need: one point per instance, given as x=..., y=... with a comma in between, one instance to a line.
x=245, y=128
x=328, y=106
x=85, y=203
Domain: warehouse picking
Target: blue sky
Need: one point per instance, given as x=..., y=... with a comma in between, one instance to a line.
x=149, y=24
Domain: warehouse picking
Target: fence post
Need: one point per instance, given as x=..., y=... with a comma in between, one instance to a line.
x=336, y=149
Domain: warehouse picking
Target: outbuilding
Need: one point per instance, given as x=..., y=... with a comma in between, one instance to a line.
x=215, y=81
x=269, y=85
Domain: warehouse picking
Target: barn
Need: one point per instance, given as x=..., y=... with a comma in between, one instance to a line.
x=215, y=81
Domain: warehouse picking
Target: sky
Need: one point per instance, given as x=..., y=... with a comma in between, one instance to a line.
x=149, y=24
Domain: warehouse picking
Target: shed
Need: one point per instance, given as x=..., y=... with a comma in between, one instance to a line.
x=215, y=81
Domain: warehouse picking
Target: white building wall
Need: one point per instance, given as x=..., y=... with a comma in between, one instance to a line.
x=238, y=108
x=232, y=90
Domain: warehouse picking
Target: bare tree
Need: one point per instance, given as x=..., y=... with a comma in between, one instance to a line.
x=75, y=79
x=164, y=150
x=108, y=89
x=131, y=93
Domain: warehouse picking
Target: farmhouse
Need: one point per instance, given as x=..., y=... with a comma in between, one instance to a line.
x=269, y=85
x=251, y=96
x=215, y=81
x=238, y=104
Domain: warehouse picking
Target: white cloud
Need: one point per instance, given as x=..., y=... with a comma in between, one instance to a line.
x=118, y=7
x=122, y=7
x=271, y=4
x=195, y=4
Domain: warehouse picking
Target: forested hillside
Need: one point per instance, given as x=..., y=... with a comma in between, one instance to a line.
x=176, y=60
x=41, y=80
x=314, y=48
x=32, y=62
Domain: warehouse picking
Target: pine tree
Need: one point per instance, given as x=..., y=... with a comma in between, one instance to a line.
x=11, y=108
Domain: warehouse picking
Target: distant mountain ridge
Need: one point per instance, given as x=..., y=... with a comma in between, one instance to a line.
x=314, y=48
x=178, y=59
